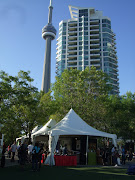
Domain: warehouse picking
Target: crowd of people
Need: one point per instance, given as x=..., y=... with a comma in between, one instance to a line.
x=114, y=156
x=27, y=153
x=35, y=154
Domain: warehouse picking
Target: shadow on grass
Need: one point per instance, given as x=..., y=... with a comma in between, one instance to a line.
x=65, y=173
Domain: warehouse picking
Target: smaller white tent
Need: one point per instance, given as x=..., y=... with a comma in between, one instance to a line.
x=22, y=138
x=72, y=124
x=44, y=130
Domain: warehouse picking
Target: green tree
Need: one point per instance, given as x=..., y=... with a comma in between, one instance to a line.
x=21, y=105
x=85, y=92
x=121, y=115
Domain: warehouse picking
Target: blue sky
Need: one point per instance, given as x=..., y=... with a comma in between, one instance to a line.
x=22, y=47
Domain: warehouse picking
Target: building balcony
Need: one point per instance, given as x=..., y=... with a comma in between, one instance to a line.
x=94, y=36
x=72, y=65
x=96, y=65
x=95, y=60
x=94, y=54
x=72, y=60
x=72, y=48
x=72, y=55
x=72, y=52
x=92, y=31
x=92, y=41
x=72, y=25
x=93, y=27
x=94, y=44
x=70, y=43
x=72, y=32
x=73, y=38
x=72, y=35
x=94, y=22
x=94, y=50
x=72, y=28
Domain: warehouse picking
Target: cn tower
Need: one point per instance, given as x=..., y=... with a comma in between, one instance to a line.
x=48, y=33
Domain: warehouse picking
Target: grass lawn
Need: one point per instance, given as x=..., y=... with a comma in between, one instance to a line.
x=65, y=173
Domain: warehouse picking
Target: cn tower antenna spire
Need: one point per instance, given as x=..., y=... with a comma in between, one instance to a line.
x=50, y=13
x=48, y=33
x=50, y=2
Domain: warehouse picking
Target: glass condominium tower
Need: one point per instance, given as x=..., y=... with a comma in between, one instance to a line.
x=87, y=40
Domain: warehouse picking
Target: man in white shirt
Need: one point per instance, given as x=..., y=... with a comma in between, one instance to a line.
x=13, y=149
x=30, y=148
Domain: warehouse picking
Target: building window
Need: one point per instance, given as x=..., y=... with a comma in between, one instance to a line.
x=80, y=43
x=85, y=37
x=85, y=33
x=80, y=19
x=85, y=28
x=86, y=58
x=80, y=68
x=80, y=24
x=106, y=21
x=80, y=47
x=86, y=42
x=85, y=47
x=85, y=62
x=80, y=62
x=80, y=29
x=83, y=12
x=80, y=33
x=86, y=52
x=85, y=24
x=85, y=19
x=80, y=38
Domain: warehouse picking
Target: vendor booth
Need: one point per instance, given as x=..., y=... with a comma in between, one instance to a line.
x=76, y=134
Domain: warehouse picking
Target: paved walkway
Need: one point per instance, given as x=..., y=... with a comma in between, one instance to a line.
x=9, y=163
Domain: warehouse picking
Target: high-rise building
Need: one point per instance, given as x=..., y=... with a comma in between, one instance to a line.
x=87, y=40
x=48, y=33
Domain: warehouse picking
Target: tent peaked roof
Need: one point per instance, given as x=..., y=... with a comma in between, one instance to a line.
x=44, y=130
x=72, y=124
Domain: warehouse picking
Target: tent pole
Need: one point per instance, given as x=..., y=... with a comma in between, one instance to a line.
x=87, y=148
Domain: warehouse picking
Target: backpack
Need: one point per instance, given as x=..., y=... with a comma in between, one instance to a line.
x=35, y=150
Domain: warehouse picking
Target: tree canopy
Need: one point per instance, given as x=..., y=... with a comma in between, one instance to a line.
x=22, y=106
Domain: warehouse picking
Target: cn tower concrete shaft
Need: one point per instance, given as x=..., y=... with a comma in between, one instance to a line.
x=48, y=33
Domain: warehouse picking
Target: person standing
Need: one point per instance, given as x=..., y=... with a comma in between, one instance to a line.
x=9, y=150
x=23, y=153
x=3, y=155
x=123, y=155
x=13, y=149
x=35, y=157
x=41, y=151
x=30, y=148
x=113, y=155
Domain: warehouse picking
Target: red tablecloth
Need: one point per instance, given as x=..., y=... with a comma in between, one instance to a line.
x=65, y=160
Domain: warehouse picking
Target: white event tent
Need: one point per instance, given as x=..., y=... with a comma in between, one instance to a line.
x=22, y=138
x=72, y=124
x=44, y=130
